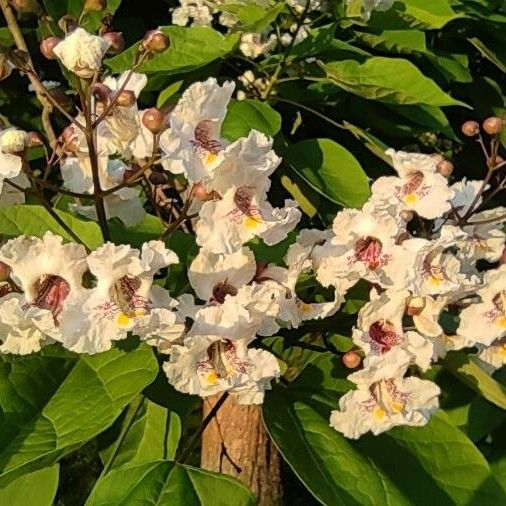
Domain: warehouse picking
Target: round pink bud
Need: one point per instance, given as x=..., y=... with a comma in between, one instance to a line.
x=445, y=168
x=94, y=5
x=493, y=125
x=200, y=193
x=116, y=41
x=470, y=128
x=352, y=360
x=5, y=70
x=70, y=140
x=415, y=306
x=155, y=41
x=101, y=92
x=126, y=98
x=47, y=47
x=5, y=271
x=27, y=6
x=154, y=120
x=34, y=140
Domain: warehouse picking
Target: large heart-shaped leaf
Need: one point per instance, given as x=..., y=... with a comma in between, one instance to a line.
x=390, y=80
x=164, y=482
x=245, y=115
x=406, y=466
x=190, y=48
x=331, y=170
x=33, y=489
x=48, y=411
x=35, y=220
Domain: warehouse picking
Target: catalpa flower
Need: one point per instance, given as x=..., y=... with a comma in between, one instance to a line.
x=485, y=322
x=384, y=398
x=379, y=329
x=438, y=268
x=493, y=357
x=124, y=203
x=124, y=299
x=193, y=143
x=364, y=246
x=210, y=366
x=419, y=187
x=82, y=53
x=12, y=145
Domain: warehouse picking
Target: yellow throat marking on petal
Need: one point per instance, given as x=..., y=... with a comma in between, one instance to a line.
x=501, y=322
x=123, y=320
x=436, y=279
x=411, y=199
x=252, y=222
x=212, y=378
x=210, y=158
x=305, y=308
x=379, y=414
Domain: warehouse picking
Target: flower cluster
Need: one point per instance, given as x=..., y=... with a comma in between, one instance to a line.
x=430, y=254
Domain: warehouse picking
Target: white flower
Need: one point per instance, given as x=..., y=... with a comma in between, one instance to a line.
x=493, y=357
x=193, y=142
x=195, y=11
x=379, y=329
x=10, y=196
x=484, y=322
x=124, y=299
x=419, y=187
x=212, y=275
x=253, y=45
x=124, y=203
x=364, y=246
x=12, y=143
x=384, y=398
x=214, y=366
x=81, y=52
x=47, y=271
x=437, y=267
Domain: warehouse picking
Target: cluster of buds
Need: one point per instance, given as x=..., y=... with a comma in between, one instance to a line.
x=492, y=126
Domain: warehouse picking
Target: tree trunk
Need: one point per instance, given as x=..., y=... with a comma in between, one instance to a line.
x=236, y=443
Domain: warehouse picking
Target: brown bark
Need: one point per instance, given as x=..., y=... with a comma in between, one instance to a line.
x=236, y=443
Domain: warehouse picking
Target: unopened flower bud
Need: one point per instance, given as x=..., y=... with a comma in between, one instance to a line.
x=94, y=5
x=352, y=360
x=5, y=272
x=415, y=306
x=154, y=120
x=34, y=140
x=470, y=128
x=200, y=193
x=70, y=140
x=116, y=41
x=27, y=6
x=493, y=125
x=407, y=214
x=101, y=92
x=67, y=23
x=13, y=141
x=126, y=98
x=5, y=69
x=132, y=171
x=158, y=177
x=155, y=41
x=47, y=47
x=445, y=168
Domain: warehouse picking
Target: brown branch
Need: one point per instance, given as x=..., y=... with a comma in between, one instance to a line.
x=15, y=30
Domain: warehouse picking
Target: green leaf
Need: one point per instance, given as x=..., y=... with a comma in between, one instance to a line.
x=142, y=435
x=190, y=48
x=6, y=39
x=246, y=115
x=47, y=413
x=168, y=93
x=487, y=53
x=32, y=489
x=253, y=17
x=468, y=370
x=390, y=80
x=331, y=170
x=370, y=141
x=164, y=482
x=148, y=229
x=398, y=41
x=406, y=466
x=36, y=220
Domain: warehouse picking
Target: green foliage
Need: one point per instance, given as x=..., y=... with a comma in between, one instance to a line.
x=164, y=482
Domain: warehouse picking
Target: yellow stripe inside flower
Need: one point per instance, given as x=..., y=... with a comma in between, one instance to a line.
x=212, y=378
x=379, y=414
x=501, y=351
x=501, y=322
x=305, y=308
x=210, y=158
x=411, y=199
x=436, y=279
x=252, y=222
x=123, y=320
